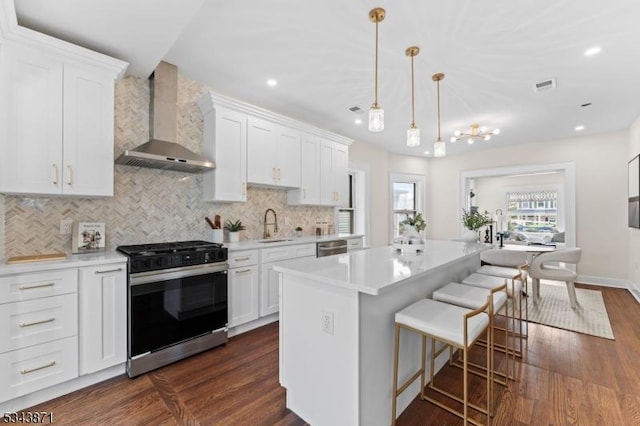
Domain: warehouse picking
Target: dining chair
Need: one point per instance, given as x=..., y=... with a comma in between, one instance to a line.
x=541, y=268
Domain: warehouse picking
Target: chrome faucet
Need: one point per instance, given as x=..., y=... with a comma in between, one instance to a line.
x=266, y=233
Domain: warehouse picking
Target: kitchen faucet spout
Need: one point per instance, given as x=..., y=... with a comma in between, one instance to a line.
x=266, y=233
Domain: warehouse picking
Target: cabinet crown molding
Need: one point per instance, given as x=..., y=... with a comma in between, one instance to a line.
x=10, y=31
x=211, y=100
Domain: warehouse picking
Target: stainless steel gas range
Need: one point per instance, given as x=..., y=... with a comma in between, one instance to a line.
x=177, y=302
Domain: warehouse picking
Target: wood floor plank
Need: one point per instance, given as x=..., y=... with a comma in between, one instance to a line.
x=565, y=378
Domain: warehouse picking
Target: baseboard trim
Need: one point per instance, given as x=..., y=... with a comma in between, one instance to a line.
x=603, y=281
x=634, y=289
x=243, y=328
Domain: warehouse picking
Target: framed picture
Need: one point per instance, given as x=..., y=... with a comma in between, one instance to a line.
x=634, y=192
x=88, y=237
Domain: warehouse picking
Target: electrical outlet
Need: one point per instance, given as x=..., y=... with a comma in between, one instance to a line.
x=327, y=322
x=65, y=226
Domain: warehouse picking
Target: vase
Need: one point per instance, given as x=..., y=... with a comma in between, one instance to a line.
x=216, y=236
x=470, y=236
x=410, y=231
x=234, y=237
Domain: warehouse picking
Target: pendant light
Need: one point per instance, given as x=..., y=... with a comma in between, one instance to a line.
x=376, y=114
x=413, y=133
x=439, y=147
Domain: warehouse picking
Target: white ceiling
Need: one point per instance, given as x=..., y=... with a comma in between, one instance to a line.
x=322, y=54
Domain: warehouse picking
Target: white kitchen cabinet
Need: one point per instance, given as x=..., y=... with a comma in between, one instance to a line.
x=103, y=316
x=270, y=279
x=38, y=330
x=225, y=140
x=355, y=244
x=273, y=154
x=309, y=191
x=244, y=287
x=56, y=124
x=334, y=158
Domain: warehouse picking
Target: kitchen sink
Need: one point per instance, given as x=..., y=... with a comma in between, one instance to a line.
x=273, y=241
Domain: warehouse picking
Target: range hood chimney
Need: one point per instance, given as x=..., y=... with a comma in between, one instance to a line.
x=162, y=151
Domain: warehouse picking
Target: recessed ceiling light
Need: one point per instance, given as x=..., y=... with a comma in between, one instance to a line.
x=427, y=152
x=592, y=51
x=579, y=128
x=272, y=82
x=358, y=121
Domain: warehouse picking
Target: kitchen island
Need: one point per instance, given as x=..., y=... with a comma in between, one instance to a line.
x=337, y=322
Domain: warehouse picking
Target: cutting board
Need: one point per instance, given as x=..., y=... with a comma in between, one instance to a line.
x=37, y=258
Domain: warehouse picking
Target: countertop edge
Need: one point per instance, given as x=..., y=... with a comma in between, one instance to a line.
x=72, y=261
x=290, y=241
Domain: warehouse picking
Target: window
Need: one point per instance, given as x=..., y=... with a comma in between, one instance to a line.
x=346, y=215
x=522, y=219
x=406, y=199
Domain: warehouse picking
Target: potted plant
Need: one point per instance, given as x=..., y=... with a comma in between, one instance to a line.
x=234, y=229
x=298, y=231
x=473, y=220
x=412, y=226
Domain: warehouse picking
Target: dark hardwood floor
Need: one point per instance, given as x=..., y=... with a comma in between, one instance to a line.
x=565, y=379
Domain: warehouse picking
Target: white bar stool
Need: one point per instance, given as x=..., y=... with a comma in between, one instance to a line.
x=514, y=291
x=513, y=265
x=472, y=297
x=453, y=326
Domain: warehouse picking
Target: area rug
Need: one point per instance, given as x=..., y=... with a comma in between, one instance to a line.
x=554, y=309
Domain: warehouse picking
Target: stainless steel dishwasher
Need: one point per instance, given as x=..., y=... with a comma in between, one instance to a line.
x=329, y=248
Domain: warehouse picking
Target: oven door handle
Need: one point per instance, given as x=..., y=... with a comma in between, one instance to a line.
x=177, y=273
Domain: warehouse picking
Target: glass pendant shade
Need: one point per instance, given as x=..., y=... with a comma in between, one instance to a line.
x=376, y=119
x=439, y=149
x=413, y=136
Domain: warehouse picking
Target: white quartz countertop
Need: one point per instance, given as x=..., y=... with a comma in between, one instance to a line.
x=373, y=270
x=287, y=241
x=72, y=261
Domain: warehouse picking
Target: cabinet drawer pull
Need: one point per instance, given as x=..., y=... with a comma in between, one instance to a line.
x=244, y=188
x=109, y=271
x=243, y=271
x=69, y=175
x=240, y=259
x=304, y=194
x=31, y=370
x=55, y=174
x=29, y=287
x=29, y=324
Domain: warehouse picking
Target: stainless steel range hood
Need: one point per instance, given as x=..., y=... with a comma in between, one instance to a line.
x=162, y=152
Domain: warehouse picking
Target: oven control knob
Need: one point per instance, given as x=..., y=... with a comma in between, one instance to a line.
x=220, y=255
x=158, y=261
x=146, y=263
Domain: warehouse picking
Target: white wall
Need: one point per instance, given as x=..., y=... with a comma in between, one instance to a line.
x=634, y=234
x=377, y=161
x=601, y=192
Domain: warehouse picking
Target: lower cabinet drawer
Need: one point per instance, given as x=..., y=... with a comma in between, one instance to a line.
x=38, y=321
x=37, y=367
x=34, y=285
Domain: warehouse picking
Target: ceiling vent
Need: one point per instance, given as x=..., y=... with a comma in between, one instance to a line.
x=545, y=85
x=355, y=109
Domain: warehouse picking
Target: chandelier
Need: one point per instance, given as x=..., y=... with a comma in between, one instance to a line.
x=439, y=147
x=477, y=132
x=413, y=133
x=376, y=114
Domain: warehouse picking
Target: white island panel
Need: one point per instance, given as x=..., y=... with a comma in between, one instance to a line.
x=345, y=376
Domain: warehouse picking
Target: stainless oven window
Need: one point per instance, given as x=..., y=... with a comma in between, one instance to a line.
x=178, y=307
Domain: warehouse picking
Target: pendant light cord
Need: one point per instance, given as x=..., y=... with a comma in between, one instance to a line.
x=413, y=102
x=375, y=100
x=438, y=110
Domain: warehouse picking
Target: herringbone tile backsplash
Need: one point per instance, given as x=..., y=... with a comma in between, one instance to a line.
x=148, y=205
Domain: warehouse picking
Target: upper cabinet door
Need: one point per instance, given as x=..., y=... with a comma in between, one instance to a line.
x=309, y=191
x=30, y=121
x=288, y=158
x=225, y=140
x=88, y=133
x=262, y=152
x=327, y=193
x=340, y=162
